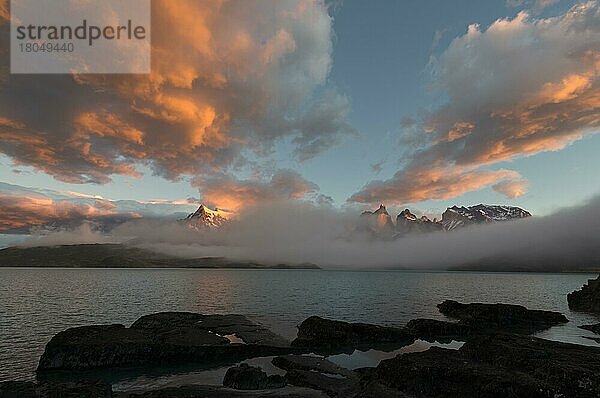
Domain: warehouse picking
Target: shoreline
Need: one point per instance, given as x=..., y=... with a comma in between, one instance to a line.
x=318, y=268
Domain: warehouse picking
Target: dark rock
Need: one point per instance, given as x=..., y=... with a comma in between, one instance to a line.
x=246, y=377
x=304, y=362
x=587, y=299
x=477, y=319
x=332, y=386
x=592, y=328
x=505, y=317
x=494, y=366
x=200, y=391
x=173, y=337
x=442, y=331
x=18, y=389
x=328, y=335
x=79, y=389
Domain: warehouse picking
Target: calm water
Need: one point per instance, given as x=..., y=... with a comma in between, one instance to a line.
x=35, y=304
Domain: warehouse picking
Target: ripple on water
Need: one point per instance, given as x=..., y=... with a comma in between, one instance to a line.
x=35, y=304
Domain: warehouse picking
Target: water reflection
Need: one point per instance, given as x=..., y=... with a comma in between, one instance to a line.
x=371, y=358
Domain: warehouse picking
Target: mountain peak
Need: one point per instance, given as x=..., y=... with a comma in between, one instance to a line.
x=407, y=215
x=381, y=210
x=205, y=218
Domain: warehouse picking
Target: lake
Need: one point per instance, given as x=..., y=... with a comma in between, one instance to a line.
x=37, y=303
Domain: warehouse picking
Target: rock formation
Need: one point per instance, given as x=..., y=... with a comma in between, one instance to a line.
x=587, y=299
x=170, y=337
x=408, y=223
x=328, y=335
x=246, y=377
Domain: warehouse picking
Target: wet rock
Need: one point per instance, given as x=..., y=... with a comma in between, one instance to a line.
x=305, y=362
x=504, y=317
x=326, y=335
x=592, y=328
x=587, y=299
x=497, y=365
x=332, y=386
x=79, y=389
x=246, y=377
x=442, y=331
x=477, y=319
x=18, y=389
x=199, y=391
x=163, y=338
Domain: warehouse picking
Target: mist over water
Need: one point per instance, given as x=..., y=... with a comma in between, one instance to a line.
x=296, y=232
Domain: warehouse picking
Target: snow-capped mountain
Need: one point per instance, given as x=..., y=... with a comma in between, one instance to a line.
x=380, y=225
x=205, y=218
x=456, y=217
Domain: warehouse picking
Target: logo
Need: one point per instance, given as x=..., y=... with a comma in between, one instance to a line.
x=80, y=36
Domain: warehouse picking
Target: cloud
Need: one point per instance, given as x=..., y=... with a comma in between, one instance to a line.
x=430, y=183
x=229, y=79
x=231, y=193
x=295, y=232
x=520, y=87
x=23, y=209
x=511, y=189
x=20, y=213
x=377, y=167
x=4, y=13
x=538, y=5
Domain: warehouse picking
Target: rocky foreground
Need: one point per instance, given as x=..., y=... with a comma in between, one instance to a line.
x=499, y=358
x=159, y=339
x=587, y=299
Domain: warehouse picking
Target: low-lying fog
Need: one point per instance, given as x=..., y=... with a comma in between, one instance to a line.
x=297, y=233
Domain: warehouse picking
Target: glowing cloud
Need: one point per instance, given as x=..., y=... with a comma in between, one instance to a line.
x=229, y=79
x=520, y=87
x=232, y=194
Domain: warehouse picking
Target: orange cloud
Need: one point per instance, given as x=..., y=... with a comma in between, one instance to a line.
x=232, y=194
x=227, y=77
x=21, y=212
x=4, y=13
x=430, y=183
x=544, y=95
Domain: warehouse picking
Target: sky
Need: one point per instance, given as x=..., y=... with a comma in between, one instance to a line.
x=419, y=104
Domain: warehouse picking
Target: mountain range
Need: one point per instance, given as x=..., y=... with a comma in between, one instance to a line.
x=379, y=223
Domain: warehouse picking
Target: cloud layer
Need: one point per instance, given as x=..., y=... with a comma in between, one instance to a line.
x=23, y=210
x=295, y=232
x=520, y=87
x=229, y=79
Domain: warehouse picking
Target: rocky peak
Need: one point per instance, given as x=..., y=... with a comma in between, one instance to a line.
x=381, y=210
x=378, y=222
x=205, y=218
x=407, y=215
x=408, y=223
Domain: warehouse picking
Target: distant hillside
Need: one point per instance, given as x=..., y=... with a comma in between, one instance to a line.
x=116, y=256
x=584, y=262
